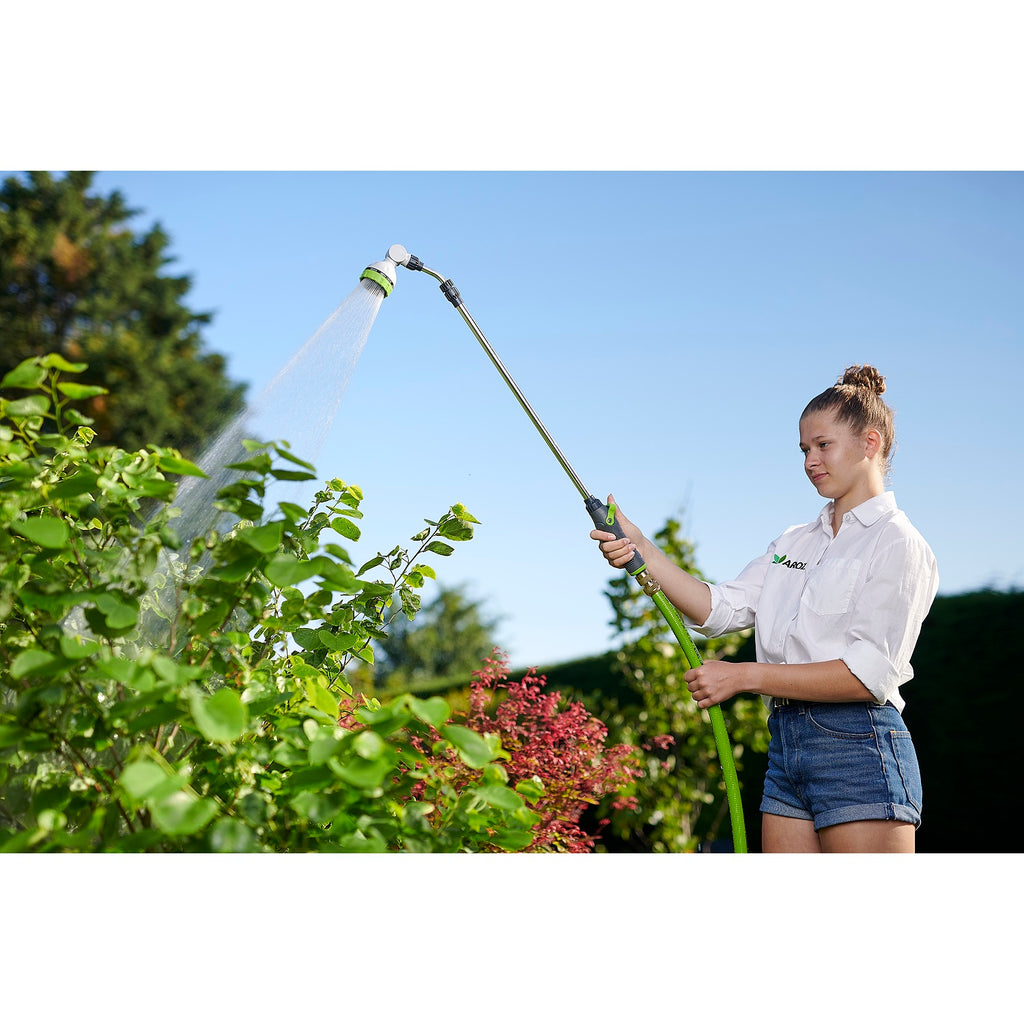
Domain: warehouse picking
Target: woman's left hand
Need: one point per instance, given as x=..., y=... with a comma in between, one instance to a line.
x=715, y=681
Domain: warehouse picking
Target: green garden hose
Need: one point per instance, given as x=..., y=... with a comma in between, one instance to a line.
x=604, y=519
x=732, y=784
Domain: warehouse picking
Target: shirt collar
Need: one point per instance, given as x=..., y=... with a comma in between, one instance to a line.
x=868, y=512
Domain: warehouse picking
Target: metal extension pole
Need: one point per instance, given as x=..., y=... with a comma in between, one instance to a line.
x=451, y=293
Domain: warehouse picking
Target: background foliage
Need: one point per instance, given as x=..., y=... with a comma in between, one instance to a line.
x=76, y=279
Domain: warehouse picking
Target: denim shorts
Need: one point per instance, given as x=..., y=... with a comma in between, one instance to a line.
x=834, y=763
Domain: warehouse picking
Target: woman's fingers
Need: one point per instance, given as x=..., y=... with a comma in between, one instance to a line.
x=617, y=550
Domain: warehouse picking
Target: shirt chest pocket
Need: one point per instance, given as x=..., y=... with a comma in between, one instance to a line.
x=829, y=587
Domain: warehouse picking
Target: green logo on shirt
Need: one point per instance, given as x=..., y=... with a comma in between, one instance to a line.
x=782, y=560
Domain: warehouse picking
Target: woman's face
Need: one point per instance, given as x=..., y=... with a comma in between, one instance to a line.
x=837, y=460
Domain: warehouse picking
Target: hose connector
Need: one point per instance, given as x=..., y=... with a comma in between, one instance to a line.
x=649, y=584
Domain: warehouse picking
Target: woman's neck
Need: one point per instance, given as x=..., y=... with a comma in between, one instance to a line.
x=854, y=497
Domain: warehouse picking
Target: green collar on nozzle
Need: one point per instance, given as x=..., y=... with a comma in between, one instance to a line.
x=383, y=272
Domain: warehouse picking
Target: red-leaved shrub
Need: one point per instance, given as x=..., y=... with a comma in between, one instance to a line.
x=557, y=743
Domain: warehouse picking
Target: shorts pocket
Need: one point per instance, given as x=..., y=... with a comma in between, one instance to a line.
x=904, y=752
x=844, y=721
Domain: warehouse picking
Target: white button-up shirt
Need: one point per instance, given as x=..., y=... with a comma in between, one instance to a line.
x=860, y=596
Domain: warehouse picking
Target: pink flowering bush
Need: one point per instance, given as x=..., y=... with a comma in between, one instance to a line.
x=555, y=751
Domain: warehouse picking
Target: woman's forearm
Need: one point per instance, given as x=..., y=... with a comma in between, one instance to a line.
x=688, y=594
x=821, y=680
x=716, y=681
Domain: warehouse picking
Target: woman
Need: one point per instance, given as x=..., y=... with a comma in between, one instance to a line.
x=837, y=605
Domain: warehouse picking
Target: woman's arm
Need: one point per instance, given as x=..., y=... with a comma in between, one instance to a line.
x=716, y=681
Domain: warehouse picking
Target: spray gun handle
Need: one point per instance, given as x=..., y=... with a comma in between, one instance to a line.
x=604, y=519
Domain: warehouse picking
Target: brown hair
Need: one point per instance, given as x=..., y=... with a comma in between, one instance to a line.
x=856, y=399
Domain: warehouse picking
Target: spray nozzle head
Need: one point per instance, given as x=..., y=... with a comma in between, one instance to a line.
x=385, y=272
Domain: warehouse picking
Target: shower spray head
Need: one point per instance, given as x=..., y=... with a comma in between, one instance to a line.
x=385, y=272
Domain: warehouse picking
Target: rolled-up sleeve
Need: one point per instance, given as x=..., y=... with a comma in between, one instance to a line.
x=734, y=604
x=886, y=622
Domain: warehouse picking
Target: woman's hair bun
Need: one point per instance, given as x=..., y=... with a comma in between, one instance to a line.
x=864, y=377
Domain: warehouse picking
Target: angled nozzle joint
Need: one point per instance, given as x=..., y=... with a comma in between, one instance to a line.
x=451, y=293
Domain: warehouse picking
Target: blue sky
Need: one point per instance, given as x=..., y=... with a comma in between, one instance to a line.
x=668, y=327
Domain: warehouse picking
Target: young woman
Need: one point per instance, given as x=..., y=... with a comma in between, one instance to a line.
x=837, y=606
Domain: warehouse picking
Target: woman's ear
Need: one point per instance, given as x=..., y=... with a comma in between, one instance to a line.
x=872, y=443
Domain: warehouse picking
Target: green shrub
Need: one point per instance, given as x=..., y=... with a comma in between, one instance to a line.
x=157, y=695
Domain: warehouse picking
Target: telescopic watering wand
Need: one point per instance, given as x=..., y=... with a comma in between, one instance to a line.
x=385, y=274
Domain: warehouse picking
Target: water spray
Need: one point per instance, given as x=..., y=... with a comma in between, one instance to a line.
x=385, y=274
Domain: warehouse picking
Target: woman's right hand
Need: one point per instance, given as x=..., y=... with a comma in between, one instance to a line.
x=618, y=550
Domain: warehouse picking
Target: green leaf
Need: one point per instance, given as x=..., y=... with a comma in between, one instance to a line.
x=286, y=570
x=434, y=711
x=291, y=474
x=308, y=639
x=79, y=483
x=530, y=789
x=345, y=526
x=230, y=835
x=440, y=548
x=55, y=361
x=237, y=569
x=75, y=648
x=46, y=531
x=337, y=641
x=80, y=391
x=512, y=839
x=371, y=564
x=257, y=464
x=294, y=513
x=455, y=529
x=321, y=698
x=369, y=745
x=475, y=750
x=338, y=577
x=221, y=718
x=285, y=454
x=144, y=779
x=119, y=610
x=183, y=813
x=327, y=744
x=365, y=773
x=34, y=662
x=34, y=405
x=461, y=511
x=499, y=796
x=181, y=467
x=265, y=539
x=27, y=374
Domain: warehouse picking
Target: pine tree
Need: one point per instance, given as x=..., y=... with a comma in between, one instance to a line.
x=75, y=278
